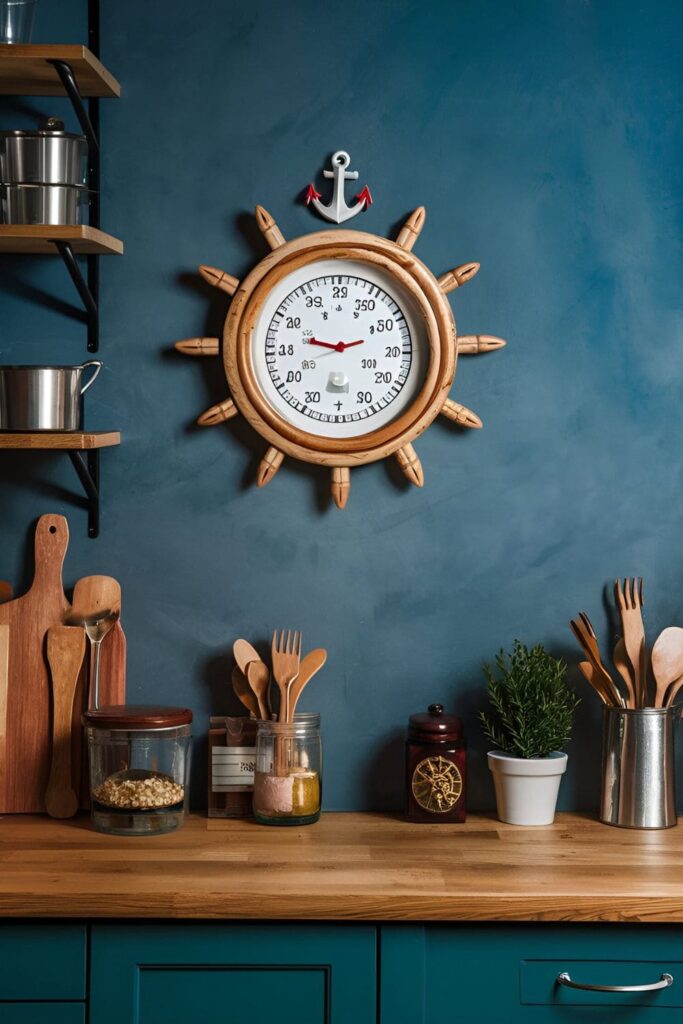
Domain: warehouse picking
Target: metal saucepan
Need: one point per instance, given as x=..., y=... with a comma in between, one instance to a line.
x=48, y=156
x=44, y=397
x=43, y=204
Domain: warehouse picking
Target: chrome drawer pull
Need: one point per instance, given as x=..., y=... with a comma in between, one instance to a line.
x=664, y=982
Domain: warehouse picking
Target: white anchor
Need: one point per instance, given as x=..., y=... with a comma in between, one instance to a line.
x=338, y=210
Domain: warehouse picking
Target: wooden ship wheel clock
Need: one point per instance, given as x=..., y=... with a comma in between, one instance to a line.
x=340, y=347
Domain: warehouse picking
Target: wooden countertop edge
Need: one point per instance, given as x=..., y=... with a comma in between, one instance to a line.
x=349, y=908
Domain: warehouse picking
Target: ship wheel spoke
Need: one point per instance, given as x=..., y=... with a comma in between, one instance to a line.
x=218, y=413
x=457, y=277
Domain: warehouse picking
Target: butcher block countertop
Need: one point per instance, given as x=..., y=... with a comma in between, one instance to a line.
x=351, y=867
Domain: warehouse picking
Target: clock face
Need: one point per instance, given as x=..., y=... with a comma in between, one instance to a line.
x=339, y=348
x=437, y=784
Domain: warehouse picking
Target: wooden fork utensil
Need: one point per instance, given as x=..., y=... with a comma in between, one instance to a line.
x=286, y=655
x=629, y=598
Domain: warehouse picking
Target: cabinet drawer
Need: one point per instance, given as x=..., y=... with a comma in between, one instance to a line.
x=501, y=972
x=42, y=961
x=42, y=1013
x=294, y=974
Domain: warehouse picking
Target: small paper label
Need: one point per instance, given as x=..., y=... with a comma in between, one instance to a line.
x=232, y=769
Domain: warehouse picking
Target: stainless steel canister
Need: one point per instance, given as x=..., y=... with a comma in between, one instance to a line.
x=48, y=156
x=638, y=771
x=43, y=204
x=44, y=397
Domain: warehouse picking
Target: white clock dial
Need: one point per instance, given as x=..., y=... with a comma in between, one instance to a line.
x=339, y=349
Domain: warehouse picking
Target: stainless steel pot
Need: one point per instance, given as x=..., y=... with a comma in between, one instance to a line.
x=44, y=397
x=48, y=156
x=43, y=204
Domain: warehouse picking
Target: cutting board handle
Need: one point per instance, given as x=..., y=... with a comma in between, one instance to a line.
x=51, y=542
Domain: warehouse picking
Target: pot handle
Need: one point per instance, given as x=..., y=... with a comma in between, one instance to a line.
x=98, y=366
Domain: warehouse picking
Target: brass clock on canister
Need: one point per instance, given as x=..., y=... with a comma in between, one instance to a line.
x=435, y=767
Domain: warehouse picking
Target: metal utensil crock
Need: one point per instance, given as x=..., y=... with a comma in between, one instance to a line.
x=48, y=156
x=638, y=771
x=43, y=397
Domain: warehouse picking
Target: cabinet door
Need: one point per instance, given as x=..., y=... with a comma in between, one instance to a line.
x=41, y=961
x=509, y=973
x=239, y=974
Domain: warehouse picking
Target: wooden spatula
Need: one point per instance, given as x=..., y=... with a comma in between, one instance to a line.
x=623, y=667
x=65, y=651
x=667, y=661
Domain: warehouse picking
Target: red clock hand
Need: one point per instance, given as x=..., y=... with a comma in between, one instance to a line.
x=323, y=344
x=339, y=347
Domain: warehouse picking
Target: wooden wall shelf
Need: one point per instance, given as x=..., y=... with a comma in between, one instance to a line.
x=26, y=71
x=60, y=441
x=42, y=239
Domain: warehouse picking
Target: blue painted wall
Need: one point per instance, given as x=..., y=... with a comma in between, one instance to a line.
x=545, y=141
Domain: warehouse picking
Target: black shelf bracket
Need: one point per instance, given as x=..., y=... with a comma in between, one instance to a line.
x=88, y=469
x=83, y=289
x=68, y=80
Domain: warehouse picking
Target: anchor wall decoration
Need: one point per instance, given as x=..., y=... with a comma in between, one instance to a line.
x=337, y=209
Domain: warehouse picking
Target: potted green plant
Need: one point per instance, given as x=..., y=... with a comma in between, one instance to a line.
x=529, y=721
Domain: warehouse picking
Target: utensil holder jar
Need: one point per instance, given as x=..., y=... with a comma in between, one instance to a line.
x=638, y=770
x=288, y=776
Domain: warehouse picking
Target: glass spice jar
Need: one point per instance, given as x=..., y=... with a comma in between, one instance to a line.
x=436, y=767
x=288, y=776
x=139, y=768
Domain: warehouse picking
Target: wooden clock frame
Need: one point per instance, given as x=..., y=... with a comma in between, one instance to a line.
x=395, y=438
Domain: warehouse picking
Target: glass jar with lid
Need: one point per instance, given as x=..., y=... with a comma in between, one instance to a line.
x=139, y=768
x=436, y=767
x=288, y=776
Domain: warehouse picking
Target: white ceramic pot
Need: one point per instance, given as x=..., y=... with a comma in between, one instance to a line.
x=527, y=789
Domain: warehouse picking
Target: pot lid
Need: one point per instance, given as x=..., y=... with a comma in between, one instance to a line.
x=51, y=128
x=137, y=716
x=435, y=724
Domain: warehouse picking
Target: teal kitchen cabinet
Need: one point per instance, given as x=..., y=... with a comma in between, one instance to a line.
x=172, y=973
x=43, y=973
x=489, y=972
x=42, y=1013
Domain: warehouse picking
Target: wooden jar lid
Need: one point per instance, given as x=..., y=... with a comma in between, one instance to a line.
x=138, y=716
x=434, y=726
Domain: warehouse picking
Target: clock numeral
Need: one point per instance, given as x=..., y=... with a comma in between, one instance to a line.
x=382, y=377
x=364, y=305
x=308, y=364
x=381, y=326
x=293, y=321
x=313, y=300
x=364, y=398
x=392, y=352
x=286, y=350
x=312, y=397
x=368, y=364
x=340, y=292
x=293, y=377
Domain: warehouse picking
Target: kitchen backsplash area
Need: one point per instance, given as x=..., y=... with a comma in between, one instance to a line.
x=546, y=160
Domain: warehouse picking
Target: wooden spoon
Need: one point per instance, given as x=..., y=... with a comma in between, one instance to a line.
x=258, y=677
x=244, y=692
x=96, y=604
x=65, y=651
x=311, y=664
x=244, y=654
x=667, y=661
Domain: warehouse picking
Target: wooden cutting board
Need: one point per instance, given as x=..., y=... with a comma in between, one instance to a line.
x=27, y=719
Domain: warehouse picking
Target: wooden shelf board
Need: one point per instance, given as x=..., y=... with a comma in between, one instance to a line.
x=59, y=441
x=40, y=239
x=25, y=71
